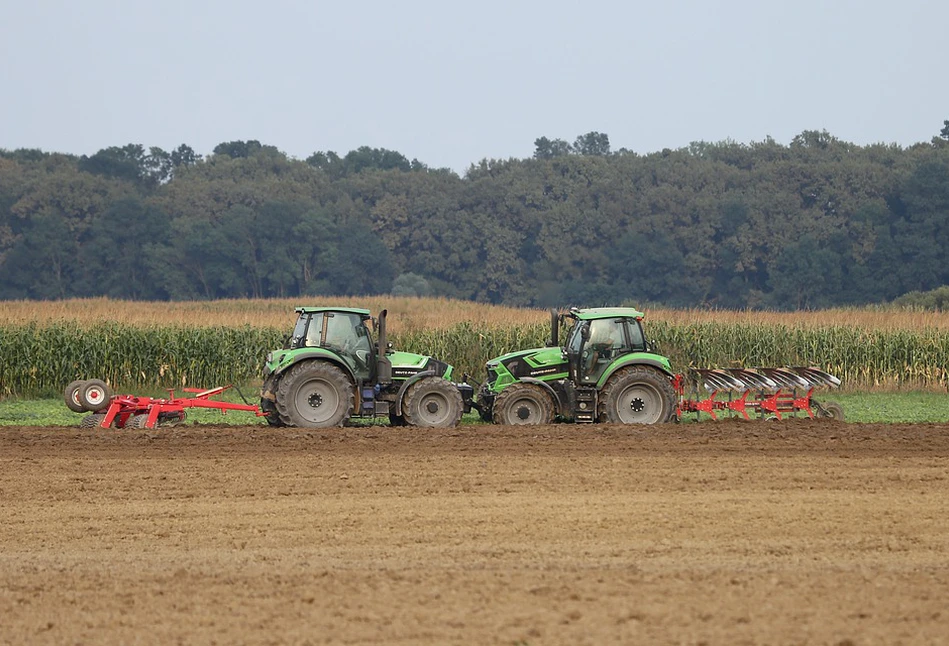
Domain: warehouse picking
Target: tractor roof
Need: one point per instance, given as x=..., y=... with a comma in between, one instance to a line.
x=606, y=313
x=348, y=310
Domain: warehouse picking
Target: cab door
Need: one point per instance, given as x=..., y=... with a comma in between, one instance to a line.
x=608, y=341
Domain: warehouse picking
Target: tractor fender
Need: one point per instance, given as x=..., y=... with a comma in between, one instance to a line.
x=322, y=355
x=553, y=393
x=635, y=361
x=408, y=382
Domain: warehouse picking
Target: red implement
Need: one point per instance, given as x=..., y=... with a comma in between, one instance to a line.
x=129, y=411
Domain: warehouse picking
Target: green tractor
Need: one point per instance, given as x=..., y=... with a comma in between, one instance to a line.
x=330, y=371
x=606, y=372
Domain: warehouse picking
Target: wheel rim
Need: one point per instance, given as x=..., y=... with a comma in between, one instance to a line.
x=524, y=410
x=433, y=409
x=639, y=404
x=317, y=401
x=95, y=396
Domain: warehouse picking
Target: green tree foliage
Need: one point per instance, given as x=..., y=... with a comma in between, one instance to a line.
x=410, y=284
x=814, y=223
x=360, y=160
x=933, y=300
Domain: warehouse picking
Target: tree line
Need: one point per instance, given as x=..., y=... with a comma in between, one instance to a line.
x=816, y=223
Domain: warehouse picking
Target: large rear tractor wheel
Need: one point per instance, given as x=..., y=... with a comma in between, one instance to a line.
x=71, y=395
x=432, y=402
x=94, y=395
x=523, y=404
x=315, y=394
x=637, y=395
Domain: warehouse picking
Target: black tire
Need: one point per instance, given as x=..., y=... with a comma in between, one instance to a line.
x=94, y=395
x=432, y=402
x=269, y=409
x=831, y=409
x=136, y=421
x=71, y=395
x=521, y=404
x=171, y=418
x=92, y=421
x=637, y=395
x=396, y=420
x=315, y=394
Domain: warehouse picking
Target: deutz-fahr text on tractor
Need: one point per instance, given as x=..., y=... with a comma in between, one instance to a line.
x=330, y=370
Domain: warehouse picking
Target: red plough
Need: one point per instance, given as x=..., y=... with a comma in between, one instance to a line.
x=130, y=411
x=766, y=393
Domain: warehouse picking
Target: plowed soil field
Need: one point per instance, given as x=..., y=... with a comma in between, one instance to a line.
x=794, y=532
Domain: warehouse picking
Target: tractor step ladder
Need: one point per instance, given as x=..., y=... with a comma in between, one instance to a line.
x=586, y=405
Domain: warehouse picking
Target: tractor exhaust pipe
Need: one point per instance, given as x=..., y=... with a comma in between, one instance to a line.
x=554, y=341
x=383, y=365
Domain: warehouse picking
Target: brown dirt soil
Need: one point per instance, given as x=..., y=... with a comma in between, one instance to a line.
x=794, y=532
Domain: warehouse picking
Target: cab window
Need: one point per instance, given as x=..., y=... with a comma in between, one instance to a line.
x=314, y=330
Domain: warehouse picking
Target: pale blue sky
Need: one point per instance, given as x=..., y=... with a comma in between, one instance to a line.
x=452, y=83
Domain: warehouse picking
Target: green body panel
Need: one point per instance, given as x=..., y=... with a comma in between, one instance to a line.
x=635, y=358
x=406, y=362
x=545, y=364
x=537, y=357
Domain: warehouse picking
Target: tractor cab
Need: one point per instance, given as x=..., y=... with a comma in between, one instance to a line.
x=343, y=332
x=594, y=343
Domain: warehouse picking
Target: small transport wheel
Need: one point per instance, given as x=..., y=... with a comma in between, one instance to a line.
x=94, y=395
x=830, y=409
x=432, y=402
x=523, y=404
x=71, y=395
x=315, y=394
x=637, y=395
x=92, y=421
x=396, y=420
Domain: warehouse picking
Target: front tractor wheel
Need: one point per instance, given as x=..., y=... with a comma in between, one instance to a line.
x=315, y=394
x=523, y=404
x=637, y=395
x=432, y=402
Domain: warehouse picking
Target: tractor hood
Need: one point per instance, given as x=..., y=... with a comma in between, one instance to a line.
x=408, y=364
x=535, y=356
x=537, y=363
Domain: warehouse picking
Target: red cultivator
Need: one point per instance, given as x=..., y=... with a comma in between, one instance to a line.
x=130, y=411
x=765, y=393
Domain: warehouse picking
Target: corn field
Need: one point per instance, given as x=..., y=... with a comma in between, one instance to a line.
x=40, y=359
